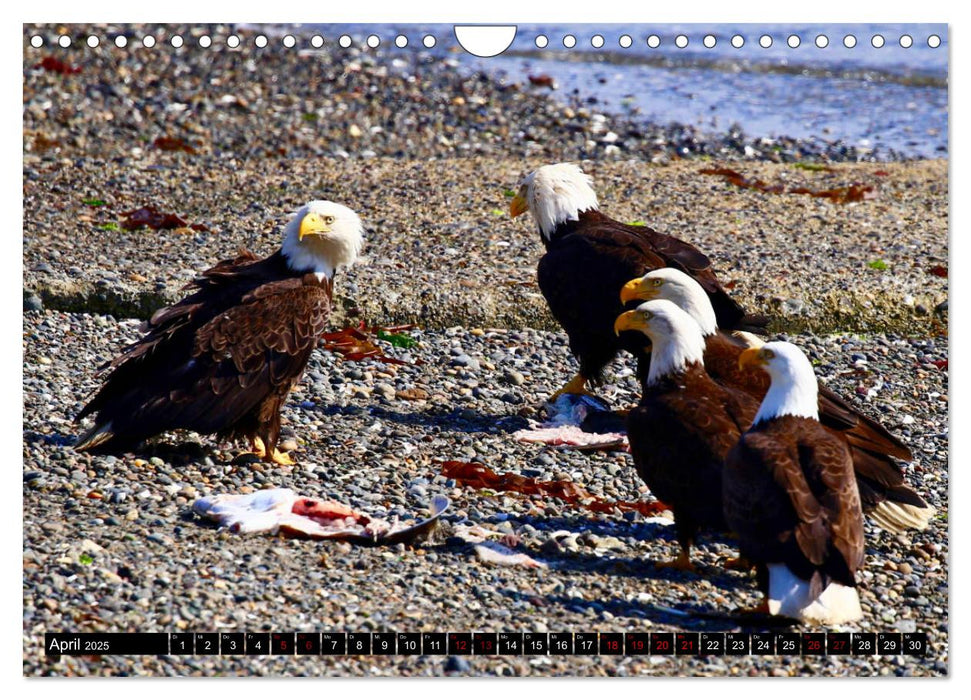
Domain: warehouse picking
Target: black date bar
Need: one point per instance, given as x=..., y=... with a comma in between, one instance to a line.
x=107, y=644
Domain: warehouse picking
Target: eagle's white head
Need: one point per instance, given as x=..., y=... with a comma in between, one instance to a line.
x=553, y=195
x=676, y=340
x=794, y=389
x=675, y=286
x=321, y=237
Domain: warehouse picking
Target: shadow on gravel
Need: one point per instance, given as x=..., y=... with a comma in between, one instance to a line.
x=464, y=420
x=694, y=619
x=56, y=439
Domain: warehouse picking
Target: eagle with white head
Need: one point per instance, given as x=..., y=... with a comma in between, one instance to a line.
x=224, y=359
x=589, y=257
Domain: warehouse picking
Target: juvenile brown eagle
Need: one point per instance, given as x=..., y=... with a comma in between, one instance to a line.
x=224, y=359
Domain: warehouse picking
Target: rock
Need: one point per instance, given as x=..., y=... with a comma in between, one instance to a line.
x=513, y=378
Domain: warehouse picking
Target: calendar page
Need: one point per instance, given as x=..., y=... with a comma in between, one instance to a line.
x=403, y=349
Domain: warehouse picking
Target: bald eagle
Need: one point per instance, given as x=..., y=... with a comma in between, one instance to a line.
x=684, y=424
x=590, y=256
x=889, y=501
x=791, y=497
x=224, y=359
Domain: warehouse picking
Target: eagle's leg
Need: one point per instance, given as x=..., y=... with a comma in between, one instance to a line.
x=739, y=563
x=686, y=530
x=680, y=563
x=577, y=385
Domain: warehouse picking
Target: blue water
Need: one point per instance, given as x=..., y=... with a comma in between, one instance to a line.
x=886, y=98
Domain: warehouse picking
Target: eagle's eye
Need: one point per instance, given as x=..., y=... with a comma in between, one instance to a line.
x=328, y=220
x=657, y=282
x=767, y=354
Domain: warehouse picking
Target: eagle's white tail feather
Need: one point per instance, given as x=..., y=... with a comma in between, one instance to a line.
x=789, y=596
x=897, y=517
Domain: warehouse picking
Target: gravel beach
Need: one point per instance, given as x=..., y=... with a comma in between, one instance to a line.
x=426, y=156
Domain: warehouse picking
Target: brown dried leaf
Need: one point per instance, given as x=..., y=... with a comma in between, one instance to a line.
x=355, y=344
x=480, y=476
x=542, y=80
x=56, y=65
x=173, y=143
x=150, y=216
x=855, y=192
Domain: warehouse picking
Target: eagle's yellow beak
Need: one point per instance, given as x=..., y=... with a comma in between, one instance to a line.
x=630, y=321
x=517, y=206
x=752, y=358
x=313, y=224
x=637, y=289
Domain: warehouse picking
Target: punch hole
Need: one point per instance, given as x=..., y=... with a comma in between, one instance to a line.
x=625, y=41
x=374, y=41
x=849, y=41
x=765, y=41
x=121, y=41
x=653, y=41
x=401, y=41
x=822, y=41
x=260, y=41
x=289, y=41
x=148, y=41
x=709, y=41
x=93, y=42
x=205, y=41
x=485, y=40
x=316, y=41
x=428, y=41
x=569, y=41
x=738, y=41
x=176, y=41
x=934, y=41
x=344, y=41
x=36, y=41
x=877, y=41
x=232, y=41
x=541, y=42
x=906, y=41
x=680, y=41
x=793, y=41
x=64, y=41
x=597, y=41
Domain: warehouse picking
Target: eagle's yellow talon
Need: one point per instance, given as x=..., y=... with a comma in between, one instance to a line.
x=282, y=458
x=577, y=385
x=738, y=564
x=680, y=563
x=258, y=448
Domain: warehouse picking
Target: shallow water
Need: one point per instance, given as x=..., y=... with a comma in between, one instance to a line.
x=889, y=98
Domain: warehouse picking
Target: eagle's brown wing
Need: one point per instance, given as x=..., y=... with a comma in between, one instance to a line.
x=791, y=495
x=207, y=361
x=872, y=447
x=685, y=257
x=679, y=435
